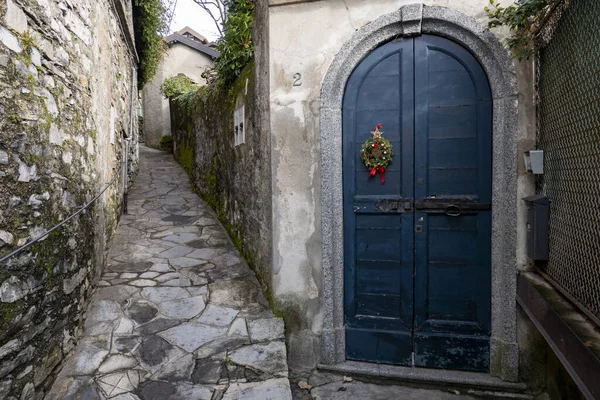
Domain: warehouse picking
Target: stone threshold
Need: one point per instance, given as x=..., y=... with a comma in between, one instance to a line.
x=429, y=377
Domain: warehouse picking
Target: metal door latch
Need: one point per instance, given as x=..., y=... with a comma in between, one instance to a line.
x=453, y=210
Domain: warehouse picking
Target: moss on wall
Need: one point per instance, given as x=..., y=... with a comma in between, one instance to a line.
x=233, y=180
x=53, y=162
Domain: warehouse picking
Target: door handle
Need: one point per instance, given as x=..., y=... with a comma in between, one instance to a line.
x=453, y=210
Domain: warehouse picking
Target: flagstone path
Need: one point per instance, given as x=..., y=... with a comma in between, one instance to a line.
x=178, y=314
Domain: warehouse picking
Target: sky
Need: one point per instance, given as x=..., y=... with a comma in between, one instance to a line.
x=188, y=13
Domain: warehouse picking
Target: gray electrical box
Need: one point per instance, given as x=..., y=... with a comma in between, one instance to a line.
x=538, y=214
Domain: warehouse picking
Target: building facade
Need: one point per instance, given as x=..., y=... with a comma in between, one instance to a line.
x=419, y=270
x=190, y=54
x=423, y=270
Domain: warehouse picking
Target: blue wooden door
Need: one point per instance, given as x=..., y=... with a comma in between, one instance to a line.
x=417, y=248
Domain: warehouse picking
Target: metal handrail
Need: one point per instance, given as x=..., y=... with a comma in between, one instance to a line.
x=81, y=209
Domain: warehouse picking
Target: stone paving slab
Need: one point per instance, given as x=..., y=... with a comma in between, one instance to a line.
x=177, y=314
x=317, y=385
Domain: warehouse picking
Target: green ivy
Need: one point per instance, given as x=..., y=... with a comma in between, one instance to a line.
x=149, y=24
x=166, y=142
x=525, y=18
x=177, y=85
x=236, y=46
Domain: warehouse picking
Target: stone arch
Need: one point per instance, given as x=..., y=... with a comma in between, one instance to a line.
x=413, y=20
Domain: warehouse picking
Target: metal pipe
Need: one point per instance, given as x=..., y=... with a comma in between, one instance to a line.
x=125, y=176
x=81, y=209
x=127, y=141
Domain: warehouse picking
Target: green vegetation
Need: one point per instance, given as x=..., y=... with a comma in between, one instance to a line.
x=27, y=42
x=525, y=18
x=236, y=46
x=185, y=158
x=166, y=142
x=149, y=24
x=175, y=86
x=7, y=313
x=14, y=119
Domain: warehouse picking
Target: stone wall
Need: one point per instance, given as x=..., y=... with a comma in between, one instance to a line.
x=234, y=180
x=66, y=79
x=180, y=59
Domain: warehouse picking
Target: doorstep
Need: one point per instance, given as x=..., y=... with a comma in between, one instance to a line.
x=430, y=377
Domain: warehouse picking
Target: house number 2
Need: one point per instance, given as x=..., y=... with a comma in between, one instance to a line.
x=297, y=79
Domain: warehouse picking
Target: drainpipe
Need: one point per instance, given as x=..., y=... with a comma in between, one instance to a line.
x=127, y=141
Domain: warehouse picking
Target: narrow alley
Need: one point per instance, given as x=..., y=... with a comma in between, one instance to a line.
x=299, y=200
x=178, y=314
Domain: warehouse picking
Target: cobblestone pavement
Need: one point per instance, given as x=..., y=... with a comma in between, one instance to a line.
x=178, y=313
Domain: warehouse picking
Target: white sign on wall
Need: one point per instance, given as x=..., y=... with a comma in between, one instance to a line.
x=239, y=129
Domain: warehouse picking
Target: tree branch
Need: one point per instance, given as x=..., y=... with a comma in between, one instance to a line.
x=217, y=10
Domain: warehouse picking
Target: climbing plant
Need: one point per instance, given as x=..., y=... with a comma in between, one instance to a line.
x=525, y=18
x=175, y=86
x=236, y=46
x=150, y=23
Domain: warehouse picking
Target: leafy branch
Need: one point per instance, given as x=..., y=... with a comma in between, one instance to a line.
x=236, y=45
x=150, y=22
x=525, y=19
x=177, y=85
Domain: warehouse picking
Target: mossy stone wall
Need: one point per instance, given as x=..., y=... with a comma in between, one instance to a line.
x=66, y=76
x=234, y=180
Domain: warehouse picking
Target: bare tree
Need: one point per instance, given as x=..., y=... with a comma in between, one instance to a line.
x=217, y=9
x=170, y=7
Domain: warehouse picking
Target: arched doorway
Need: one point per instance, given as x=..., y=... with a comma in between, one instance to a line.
x=417, y=248
x=412, y=21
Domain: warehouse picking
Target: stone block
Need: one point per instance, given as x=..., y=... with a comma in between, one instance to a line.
x=6, y=238
x=28, y=392
x=9, y=348
x=75, y=25
x=8, y=365
x=218, y=316
x=5, y=387
x=44, y=368
x=13, y=289
x=304, y=349
x=412, y=17
x=266, y=329
x=191, y=336
x=15, y=18
x=267, y=357
x=270, y=389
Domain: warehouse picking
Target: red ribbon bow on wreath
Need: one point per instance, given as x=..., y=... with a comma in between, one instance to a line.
x=381, y=171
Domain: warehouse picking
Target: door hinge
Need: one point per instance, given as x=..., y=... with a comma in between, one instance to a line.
x=412, y=358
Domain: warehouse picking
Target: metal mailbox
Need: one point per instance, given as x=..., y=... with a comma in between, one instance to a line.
x=538, y=214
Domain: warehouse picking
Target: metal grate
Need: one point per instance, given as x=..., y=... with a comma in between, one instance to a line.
x=569, y=134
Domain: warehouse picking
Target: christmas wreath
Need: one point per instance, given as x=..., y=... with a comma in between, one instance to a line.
x=377, y=153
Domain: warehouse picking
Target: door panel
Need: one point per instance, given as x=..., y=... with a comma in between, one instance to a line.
x=417, y=279
x=453, y=167
x=378, y=280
